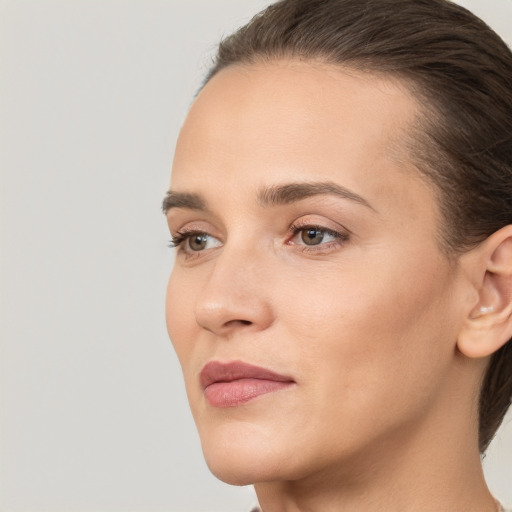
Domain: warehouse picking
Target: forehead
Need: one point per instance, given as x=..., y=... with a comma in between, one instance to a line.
x=290, y=106
x=264, y=124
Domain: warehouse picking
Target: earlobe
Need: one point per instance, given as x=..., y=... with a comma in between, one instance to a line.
x=488, y=325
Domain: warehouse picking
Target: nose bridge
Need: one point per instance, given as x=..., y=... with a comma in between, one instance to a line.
x=234, y=294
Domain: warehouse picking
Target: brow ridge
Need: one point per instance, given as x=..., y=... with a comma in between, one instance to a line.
x=183, y=200
x=276, y=195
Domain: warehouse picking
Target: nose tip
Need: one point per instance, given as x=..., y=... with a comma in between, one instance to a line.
x=222, y=316
x=233, y=298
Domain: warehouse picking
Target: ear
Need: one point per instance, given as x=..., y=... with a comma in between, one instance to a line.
x=488, y=325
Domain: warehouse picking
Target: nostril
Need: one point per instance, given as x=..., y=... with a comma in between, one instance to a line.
x=234, y=323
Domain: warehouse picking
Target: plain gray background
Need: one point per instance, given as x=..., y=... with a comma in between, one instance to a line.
x=93, y=414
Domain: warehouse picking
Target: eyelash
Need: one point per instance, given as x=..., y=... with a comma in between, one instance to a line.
x=178, y=239
x=181, y=237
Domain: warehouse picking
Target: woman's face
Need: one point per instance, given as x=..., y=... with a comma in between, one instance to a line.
x=308, y=249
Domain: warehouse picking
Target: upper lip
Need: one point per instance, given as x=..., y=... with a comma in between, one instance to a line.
x=215, y=371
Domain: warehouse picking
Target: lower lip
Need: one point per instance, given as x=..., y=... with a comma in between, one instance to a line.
x=241, y=391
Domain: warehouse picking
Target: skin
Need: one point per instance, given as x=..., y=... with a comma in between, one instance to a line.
x=382, y=414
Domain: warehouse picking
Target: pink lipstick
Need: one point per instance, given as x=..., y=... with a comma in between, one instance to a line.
x=236, y=383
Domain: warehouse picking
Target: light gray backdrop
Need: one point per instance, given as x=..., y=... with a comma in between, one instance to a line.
x=93, y=415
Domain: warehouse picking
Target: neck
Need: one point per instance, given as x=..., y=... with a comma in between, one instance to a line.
x=414, y=481
x=433, y=465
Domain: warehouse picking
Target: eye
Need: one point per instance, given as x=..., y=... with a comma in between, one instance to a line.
x=194, y=241
x=309, y=237
x=197, y=242
x=315, y=236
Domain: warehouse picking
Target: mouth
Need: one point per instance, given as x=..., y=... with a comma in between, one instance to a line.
x=236, y=383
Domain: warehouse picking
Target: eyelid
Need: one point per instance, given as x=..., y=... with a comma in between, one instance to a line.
x=188, y=227
x=312, y=221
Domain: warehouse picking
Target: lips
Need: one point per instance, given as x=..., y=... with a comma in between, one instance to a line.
x=236, y=383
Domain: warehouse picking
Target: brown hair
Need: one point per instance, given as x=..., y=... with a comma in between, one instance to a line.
x=460, y=70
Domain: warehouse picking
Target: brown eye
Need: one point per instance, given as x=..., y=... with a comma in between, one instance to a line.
x=198, y=242
x=194, y=241
x=312, y=236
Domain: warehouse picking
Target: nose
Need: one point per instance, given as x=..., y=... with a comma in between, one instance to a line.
x=235, y=296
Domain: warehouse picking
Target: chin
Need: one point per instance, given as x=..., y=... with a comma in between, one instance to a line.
x=246, y=456
x=233, y=472
x=249, y=470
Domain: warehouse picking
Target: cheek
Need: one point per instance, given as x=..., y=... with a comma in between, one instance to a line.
x=372, y=335
x=179, y=316
x=364, y=304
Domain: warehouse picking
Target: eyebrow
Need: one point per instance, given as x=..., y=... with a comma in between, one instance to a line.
x=183, y=200
x=292, y=192
x=269, y=196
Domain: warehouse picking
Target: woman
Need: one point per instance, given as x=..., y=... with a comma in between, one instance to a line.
x=341, y=301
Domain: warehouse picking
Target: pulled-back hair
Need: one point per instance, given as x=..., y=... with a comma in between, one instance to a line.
x=459, y=70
